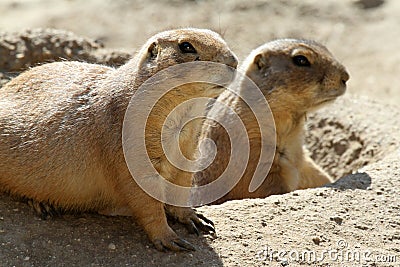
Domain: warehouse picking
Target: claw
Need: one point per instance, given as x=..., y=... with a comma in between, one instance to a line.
x=205, y=227
x=203, y=223
x=201, y=216
x=44, y=210
x=176, y=244
x=191, y=226
x=183, y=244
x=194, y=222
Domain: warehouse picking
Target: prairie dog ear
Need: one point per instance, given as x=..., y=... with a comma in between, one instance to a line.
x=153, y=50
x=260, y=61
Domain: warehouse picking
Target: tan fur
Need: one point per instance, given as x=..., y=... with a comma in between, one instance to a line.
x=291, y=92
x=61, y=126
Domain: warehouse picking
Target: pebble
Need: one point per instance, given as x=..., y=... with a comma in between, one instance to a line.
x=316, y=240
x=111, y=246
x=362, y=227
x=337, y=219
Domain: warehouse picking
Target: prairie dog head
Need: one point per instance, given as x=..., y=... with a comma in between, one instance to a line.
x=297, y=75
x=179, y=46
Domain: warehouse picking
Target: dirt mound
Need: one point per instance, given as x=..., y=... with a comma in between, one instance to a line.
x=352, y=133
x=352, y=222
x=19, y=51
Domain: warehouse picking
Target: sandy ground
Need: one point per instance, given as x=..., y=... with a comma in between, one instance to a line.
x=358, y=134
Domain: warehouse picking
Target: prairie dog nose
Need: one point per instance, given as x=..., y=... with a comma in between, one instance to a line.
x=345, y=77
x=229, y=59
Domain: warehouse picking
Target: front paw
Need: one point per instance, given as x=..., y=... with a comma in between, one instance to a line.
x=172, y=242
x=190, y=219
x=43, y=209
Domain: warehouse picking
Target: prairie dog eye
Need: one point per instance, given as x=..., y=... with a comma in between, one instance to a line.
x=153, y=50
x=186, y=47
x=301, y=61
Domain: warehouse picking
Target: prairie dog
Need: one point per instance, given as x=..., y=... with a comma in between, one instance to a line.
x=295, y=77
x=60, y=130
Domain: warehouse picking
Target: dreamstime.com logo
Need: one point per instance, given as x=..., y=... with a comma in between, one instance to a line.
x=341, y=254
x=202, y=73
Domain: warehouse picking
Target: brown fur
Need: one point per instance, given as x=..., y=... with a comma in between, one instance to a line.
x=61, y=125
x=291, y=91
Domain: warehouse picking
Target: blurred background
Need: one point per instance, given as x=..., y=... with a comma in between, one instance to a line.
x=363, y=34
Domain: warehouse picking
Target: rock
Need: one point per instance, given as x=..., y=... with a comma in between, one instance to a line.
x=21, y=50
x=337, y=219
x=316, y=240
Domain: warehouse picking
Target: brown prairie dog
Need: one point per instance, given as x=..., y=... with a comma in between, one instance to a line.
x=60, y=130
x=295, y=76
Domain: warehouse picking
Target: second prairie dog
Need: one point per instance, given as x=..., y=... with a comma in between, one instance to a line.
x=295, y=76
x=61, y=125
